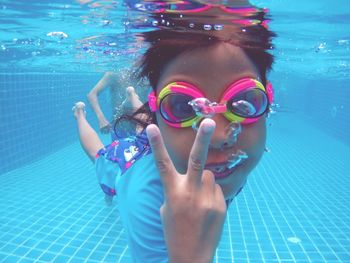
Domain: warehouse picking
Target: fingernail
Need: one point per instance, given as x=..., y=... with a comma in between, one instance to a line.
x=208, y=125
x=151, y=131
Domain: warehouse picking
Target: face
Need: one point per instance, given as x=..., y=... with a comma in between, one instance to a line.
x=212, y=70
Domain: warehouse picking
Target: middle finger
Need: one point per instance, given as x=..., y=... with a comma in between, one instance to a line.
x=199, y=151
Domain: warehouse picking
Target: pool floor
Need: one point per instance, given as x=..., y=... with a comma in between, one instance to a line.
x=294, y=208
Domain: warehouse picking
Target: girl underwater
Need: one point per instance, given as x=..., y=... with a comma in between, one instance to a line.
x=204, y=131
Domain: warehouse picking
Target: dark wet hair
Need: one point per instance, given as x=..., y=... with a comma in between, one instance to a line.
x=165, y=45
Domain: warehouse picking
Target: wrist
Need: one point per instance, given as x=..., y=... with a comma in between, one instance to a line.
x=182, y=255
x=190, y=259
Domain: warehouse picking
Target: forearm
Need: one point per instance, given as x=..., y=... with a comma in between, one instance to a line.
x=93, y=100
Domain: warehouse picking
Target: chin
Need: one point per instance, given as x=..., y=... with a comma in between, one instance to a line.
x=234, y=182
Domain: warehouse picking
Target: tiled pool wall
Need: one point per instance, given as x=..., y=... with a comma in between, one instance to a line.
x=36, y=116
x=324, y=103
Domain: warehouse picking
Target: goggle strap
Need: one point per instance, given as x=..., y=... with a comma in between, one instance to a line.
x=269, y=91
x=152, y=102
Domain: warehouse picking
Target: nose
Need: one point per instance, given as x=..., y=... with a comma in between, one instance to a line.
x=225, y=134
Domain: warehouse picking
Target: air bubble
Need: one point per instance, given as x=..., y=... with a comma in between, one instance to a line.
x=343, y=42
x=236, y=158
x=58, y=34
x=218, y=27
x=106, y=22
x=207, y=27
x=191, y=25
x=232, y=132
x=322, y=48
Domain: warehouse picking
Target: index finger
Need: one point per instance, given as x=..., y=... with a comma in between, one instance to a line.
x=165, y=165
x=199, y=151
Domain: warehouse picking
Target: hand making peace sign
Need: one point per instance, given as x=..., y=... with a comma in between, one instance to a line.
x=194, y=209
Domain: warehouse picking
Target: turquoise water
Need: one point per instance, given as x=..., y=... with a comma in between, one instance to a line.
x=295, y=207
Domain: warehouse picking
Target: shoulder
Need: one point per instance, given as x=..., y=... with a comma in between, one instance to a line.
x=110, y=77
x=111, y=74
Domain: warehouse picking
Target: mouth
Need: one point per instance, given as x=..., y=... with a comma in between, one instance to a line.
x=225, y=169
x=221, y=171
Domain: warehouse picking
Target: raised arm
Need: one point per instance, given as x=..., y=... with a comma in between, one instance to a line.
x=92, y=96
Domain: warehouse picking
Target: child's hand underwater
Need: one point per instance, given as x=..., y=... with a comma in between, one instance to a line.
x=105, y=126
x=194, y=207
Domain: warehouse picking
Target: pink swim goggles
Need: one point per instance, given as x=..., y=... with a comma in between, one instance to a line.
x=182, y=104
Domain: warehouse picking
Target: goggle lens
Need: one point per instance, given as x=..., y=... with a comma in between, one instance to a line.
x=250, y=103
x=175, y=108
